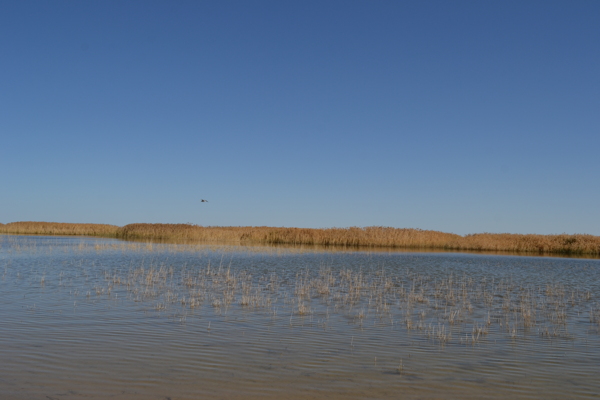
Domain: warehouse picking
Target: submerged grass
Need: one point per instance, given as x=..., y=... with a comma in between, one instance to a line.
x=374, y=236
x=445, y=310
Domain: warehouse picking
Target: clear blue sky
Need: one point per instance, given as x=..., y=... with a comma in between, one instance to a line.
x=465, y=117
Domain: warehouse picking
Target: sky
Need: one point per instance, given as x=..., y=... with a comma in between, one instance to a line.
x=455, y=116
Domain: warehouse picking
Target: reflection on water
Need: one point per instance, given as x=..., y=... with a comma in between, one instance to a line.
x=90, y=318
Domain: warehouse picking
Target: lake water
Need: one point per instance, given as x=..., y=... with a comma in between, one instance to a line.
x=87, y=318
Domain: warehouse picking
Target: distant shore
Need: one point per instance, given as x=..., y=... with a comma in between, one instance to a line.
x=373, y=236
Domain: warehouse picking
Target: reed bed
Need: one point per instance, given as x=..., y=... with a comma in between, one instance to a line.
x=374, y=236
x=568, y=244
x=353, y=237
x=58, y=228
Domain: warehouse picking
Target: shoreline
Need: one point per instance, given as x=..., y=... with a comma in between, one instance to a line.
x=351, y=238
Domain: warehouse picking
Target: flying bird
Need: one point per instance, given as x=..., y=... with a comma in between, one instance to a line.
x=203, y=201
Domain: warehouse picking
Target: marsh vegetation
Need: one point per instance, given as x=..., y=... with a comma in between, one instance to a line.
x=369, y=237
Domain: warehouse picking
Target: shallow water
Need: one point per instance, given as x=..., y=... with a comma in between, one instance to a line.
x=92, y=318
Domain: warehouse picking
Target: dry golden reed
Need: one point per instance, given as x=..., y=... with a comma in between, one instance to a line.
x=373, y=236
x=370, y=236
x=58, y=228
x=568, y=244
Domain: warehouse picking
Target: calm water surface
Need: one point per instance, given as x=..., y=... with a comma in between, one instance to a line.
x=96, y=319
